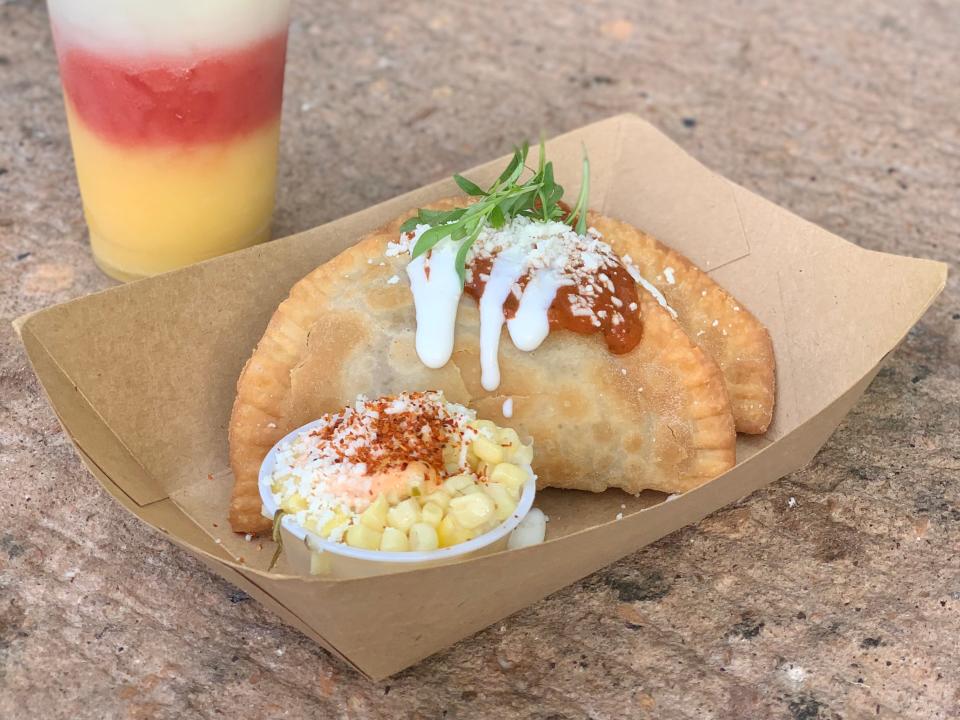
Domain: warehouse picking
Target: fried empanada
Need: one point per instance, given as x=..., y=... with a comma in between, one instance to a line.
x=657, y=417
x=713, y=319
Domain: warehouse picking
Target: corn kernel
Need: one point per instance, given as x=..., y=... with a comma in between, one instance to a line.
x=472, y=511
x=295, y=503
x=508, y=439
x=501, y=497
x=338, y=520
x=451, y=532
x=522, y=455
x=485, y=427
x=360, y=536
x=431, y=514
x=320, y=563
x=487, y=449
x=509, y=474
x=438, y=497
x=457, y=483
x=394, y=540
x=375, y=516
x=451, y=457
x=423, y=537
x=404, y=515
x=451, y=451
x=310, y=524
x=418, y=474
x=472, y=459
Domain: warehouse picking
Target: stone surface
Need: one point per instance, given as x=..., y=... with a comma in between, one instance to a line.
x=833, y=593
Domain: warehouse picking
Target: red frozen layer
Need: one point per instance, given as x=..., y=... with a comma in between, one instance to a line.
x=160, y=100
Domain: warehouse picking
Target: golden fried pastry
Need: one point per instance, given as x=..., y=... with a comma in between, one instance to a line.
x=649, y=413
x=713, y=319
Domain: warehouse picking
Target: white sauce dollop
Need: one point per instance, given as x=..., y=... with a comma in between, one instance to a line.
x=436, y=297
x=508, y=267
x=531, y=325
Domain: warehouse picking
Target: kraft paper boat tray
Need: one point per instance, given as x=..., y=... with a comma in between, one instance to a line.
x=142, y=377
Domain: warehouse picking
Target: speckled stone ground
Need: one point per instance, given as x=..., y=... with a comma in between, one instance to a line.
x=835, y=593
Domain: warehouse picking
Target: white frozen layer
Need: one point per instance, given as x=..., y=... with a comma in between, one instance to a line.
x=168, y=27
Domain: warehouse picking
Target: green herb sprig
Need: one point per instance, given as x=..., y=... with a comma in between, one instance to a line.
x=537, y=198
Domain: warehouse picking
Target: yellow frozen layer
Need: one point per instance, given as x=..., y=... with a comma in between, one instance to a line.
x=153, y=209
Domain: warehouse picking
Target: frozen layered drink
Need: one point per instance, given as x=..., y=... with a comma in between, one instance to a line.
x=174, y=115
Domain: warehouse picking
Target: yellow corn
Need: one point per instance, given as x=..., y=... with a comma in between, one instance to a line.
x=439, y=497
x=360, y=536
x=502, y=499
x=508, y=439
x=431, y=514
x=418, y=473
x=472, y=511
x=487, y=450
x=336, y=521
x=404, y=515
x=319, y=563
x=394, y=540
x=509, y=474
x=457, y=483
x=487, y=427
x=451, y=532
x=375, y=516
x=522, y=455
x=472, y=459
x=295, y=503
x=451, y=457
x=423, y=537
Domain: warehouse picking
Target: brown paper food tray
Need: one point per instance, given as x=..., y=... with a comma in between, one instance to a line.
x=142, y=377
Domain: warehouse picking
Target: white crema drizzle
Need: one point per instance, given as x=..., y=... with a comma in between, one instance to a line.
x=436, y=296
x=524, y=246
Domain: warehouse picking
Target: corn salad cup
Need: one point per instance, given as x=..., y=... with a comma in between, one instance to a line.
x=419, y=518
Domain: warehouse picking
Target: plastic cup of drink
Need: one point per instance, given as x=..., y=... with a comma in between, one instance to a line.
x=174, y=115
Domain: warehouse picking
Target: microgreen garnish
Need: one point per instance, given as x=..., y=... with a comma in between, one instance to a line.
x=277, y=538
x=579, y=211
x=537, y=198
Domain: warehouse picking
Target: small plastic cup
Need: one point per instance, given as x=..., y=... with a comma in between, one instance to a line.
x=309, y=554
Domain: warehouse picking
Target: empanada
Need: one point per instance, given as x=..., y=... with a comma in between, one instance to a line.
x=656, y=417
x=713, y=319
